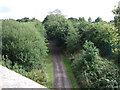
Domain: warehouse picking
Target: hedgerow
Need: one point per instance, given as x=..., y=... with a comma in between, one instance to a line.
x=92, y=71
x=23, y=47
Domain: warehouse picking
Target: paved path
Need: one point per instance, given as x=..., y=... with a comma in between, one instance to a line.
x=60, y=78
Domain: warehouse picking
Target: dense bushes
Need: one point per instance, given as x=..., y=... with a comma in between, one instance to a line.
x=57, y=28
x=100, y=33
x=23, y=46
x=92, y=71
x=72, y=41
x=73, y=32
x=62, y=31
x=38, y=25
x=90, y=68
x=117, y=25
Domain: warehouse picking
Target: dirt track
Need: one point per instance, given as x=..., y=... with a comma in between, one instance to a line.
x=60, y=78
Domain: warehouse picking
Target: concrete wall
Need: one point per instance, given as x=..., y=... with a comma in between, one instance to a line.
x=11, y=79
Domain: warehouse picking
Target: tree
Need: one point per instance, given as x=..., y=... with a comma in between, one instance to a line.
x=102, y=34
x=117, y=25
x=57, y=27
x=82, y=19
x=73, y=19
x=92, y=71
x=99, y=19
x=117, y=18
x=89, y=19
x=25, y=19
x=33, y=19
x=72, y=41
x=24, y=49
x=23, y=44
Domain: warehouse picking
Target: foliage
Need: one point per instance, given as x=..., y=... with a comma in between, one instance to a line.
x=38, y=25
x=81, y=19
x=74, y=22
x=25, y=19
x=92, y=71
x=102, y=34
x=72, y=41
x=89, y=19
x=23, y=44
x=73, y=32
x=24, y=48
x=73, y=19
x=57, y=27
x=117, y=25
x=49, y=71
x=37, y=75
x=117, y=18
x=98, y=19
x=90, y=51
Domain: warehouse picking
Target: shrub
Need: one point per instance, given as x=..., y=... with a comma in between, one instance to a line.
x=23, y=44
x=92, y=71
x=37, y=75
x=38, y=25
x=72, y=41
x=24, y=49
x=101, y=34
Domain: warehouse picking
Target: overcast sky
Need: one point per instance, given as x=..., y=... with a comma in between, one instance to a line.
x=70, y=8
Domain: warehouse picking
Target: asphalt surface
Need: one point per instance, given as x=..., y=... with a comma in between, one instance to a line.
x=61, y=80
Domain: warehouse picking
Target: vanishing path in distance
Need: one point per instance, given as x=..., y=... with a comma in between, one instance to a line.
x=61, y=80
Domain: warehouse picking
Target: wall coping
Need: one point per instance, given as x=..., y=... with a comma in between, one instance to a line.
x=11, y=79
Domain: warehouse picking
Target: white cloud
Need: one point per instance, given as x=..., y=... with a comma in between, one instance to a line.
x=71, y=8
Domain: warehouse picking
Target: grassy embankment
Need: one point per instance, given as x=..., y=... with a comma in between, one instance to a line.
x=49, y=71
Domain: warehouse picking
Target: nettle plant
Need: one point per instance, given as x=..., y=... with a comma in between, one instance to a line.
x=90, y=51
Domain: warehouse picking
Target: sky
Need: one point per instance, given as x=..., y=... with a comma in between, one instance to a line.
x=17, y=9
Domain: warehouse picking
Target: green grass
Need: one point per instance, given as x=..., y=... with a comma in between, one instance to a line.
x=49, y=71
x=69, y=71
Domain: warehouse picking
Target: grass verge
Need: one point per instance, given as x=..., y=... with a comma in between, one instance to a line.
x=69, y=72
x=49, y=71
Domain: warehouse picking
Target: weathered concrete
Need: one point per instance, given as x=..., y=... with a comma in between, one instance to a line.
x=11, y=79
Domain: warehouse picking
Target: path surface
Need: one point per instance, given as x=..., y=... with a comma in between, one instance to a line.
x=60, y=78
